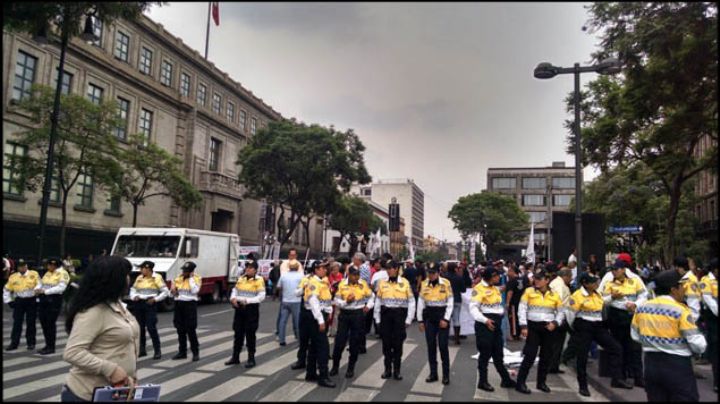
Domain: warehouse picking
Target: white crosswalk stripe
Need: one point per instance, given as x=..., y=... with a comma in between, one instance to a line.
x=421, y=386
x=371, y=377
x=12, y=362
x=220, y=364
x=228, y=389
x=212, y=337
x=291, y=391
x=172, y=385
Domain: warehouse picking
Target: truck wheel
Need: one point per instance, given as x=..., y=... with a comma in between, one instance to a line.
x=167, y=304
x=217, y=294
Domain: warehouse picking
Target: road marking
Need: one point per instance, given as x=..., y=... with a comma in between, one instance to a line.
x=145, y=373
x=281, y=362
x=421, y=386
x=572, y=381
x=34, y=370
x=416, y=397
x=173, y=363
x=228, y=389
x=216, y=313
x=17, y=361
x=166, y=344
x=188, y=379
x=500, y=393
x=54, y=399
x=343, y=361
x=358, y=394
x=291, y=391
x=33, y=386
x=371, y=376
x=220, y=364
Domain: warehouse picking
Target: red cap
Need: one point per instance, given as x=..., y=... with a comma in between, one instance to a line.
x=625, y=257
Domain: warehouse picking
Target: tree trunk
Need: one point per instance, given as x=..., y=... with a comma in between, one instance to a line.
x=135, y=212
x=675, y=194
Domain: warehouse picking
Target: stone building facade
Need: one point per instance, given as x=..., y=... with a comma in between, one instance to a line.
x=166, y=90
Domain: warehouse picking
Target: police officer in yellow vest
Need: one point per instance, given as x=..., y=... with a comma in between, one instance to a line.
x=318, y=300
x=691, y=282
x=149, y=289
x=54, y=283
x=540, y=313
x=394, y=311
x=434, y=308
x=487, y=310
x=665, y=328
x=185, y=288
x=585, y=317
x=353, y=298
x=246, y=296
x=709, y=291
x=623, y=295
x=19, y=294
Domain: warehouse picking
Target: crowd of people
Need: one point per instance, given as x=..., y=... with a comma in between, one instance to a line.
x=647, y=324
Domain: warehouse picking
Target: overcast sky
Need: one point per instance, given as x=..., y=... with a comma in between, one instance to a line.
x=437, y=92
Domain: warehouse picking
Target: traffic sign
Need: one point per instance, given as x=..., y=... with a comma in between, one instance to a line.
x=625, y=229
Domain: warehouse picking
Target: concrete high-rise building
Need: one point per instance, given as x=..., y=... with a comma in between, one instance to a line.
x=410, y=198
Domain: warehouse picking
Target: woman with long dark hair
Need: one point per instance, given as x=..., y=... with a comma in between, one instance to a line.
x=103, y=342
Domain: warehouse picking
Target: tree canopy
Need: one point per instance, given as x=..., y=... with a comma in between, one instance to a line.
x=352, y=218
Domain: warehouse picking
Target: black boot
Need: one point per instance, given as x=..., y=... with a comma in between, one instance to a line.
x=251, y=361
x=334, y=369
x=621, y=384
x=297, y=365
x=325, y=382
x=432, y=378
x=522, y=388
x=234, y=359
x=457, y=335
x=180, y=355
x=387, y=373
x=584, y=391
x=543, y=387
x=508, y=383
x=446, y=379
x=484, y=385
x=350, y=372
x=142, y=353
x=157, y=355
x=396, y=374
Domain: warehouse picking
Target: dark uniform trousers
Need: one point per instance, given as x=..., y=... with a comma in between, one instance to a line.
x=669, y=378
x=560, y=335
x=712, y=339
x=538, y=338
x=305, y=323
x=245, y=325
x=185, y=321
x=48, y=311
x=319, y=348
x=435, y=335
x=585, y=333
x=619, y=323
x=392, y=331
x=351, y=325
x=146, y=315
x=25, y=307
x=490, y=344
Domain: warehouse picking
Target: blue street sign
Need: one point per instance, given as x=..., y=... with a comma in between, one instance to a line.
x=625, y=229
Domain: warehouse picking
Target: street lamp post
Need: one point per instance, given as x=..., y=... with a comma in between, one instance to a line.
x=547, y=71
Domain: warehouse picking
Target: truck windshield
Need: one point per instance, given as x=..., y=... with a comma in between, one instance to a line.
x=147, y=246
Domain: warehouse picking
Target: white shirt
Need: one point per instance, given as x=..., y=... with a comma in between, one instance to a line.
x=377, y=276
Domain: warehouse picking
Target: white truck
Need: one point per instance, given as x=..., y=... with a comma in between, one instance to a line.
x=214, y=253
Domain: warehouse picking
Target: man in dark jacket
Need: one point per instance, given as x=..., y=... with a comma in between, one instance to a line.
x=454, y=274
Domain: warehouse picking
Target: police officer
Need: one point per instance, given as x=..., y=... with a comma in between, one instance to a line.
x=318, y=300
x=54, y=283
x=665, y=328
x=622, y=295
x=434, y=308
x=709, y=291
x=248, y=293
x=540, y=313
x=394, y=311
x=691, y=283
x=185, y=288
x=354, y=299
x=305, y=320
x=149, y=289
x=487, y=310
x=19, y=293
x=585, y=316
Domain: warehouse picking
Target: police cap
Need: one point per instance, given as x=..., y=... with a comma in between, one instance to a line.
x=619, y=263
x=667, y=279
x=21, y=263
x=251, y=264
x=54, y=261
x=587, y=278
x=540, y=275
x=189, y=266
x=148, y=264
x=353, y=271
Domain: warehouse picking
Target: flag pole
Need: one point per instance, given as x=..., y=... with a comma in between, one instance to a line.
x=207, y=33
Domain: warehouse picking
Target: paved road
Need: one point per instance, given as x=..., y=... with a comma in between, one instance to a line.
x=31, y=377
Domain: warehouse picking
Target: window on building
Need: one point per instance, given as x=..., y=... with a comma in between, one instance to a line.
x=243, y=119
x=146, y=61
x=563, y=182
x=123, y=113
x=95, y=93
x=85, y=191
x=253, y=125
x=216, y=103
x=503, y=183
x=98, y=31
x=215, y=150
x=537, y=217
x=185, y=85
x=166, y=73
x=55, y=187
x=66, y=82
x=231, y=111
x=145, y=124
x=114, y=204
x=201, y=94
x=561, y=200
x=533, y=183
x=367, y=192
x=540, y=237
x=122, y=46
x=13, y=151
x=24, y=75
x=533, y=200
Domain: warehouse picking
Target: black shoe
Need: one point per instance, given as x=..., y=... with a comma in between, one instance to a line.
x=30, y=347
x=556, y=372
x=485, y=386
x=142, y=353
x=463, y=337
x=179, y=356
x=46, y=351
x=445, y=380
x=311, y=377
x=397, y=375
x=508, y=383
x=522, y=388
x=386, y=374
x=543, y=387
x=196, y=357
x=283, y=343
x=362, y=350
x=431, y=378
x=621, y=384
x=584, y=391
x=639, y=383
x=157, y=355
x=233, y=361
x=11, y=347
x=250, y=363
x=326, y=383
x=349, y=373
x=333, y=371
x=297, y=365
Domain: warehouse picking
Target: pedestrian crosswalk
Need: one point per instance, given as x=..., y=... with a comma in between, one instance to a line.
x=30, y=377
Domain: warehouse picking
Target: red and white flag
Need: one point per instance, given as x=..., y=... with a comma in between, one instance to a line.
x=216, y=12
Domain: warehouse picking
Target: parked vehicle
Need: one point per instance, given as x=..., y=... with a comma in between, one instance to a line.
x=214, y=253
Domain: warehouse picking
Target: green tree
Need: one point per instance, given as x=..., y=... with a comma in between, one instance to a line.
x=664, y=102
x=498, y=215
x=301, y=170
x=84, y=145
x=352, y=218
x=146, y=171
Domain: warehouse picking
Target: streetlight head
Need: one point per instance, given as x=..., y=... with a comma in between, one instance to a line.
x=545, y=70
x=609, y=66
x=89, y=31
